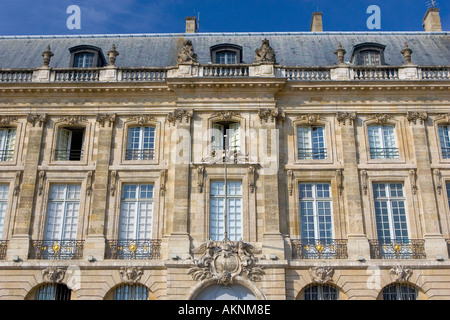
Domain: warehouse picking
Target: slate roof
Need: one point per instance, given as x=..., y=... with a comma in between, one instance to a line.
x=291, y=49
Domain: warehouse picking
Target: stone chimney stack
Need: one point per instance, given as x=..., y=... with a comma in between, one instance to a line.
x=432, y=20
x=316, y=22
x=191, y=25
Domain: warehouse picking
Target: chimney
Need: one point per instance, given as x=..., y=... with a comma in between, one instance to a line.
x=316, y=22
x=191, y=25
x=432, y=20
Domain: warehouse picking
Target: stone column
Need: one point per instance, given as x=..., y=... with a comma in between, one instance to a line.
x=422, y=182
x=358, y=244
x=20, y=241
x=95, y=240
x=272, y=239
x=179, y=168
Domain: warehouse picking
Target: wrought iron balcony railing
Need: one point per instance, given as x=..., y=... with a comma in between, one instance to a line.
x=319, y=249
x=56, y=249
x=312, y=153
x=68, y=155
x=133, y=249
x=140, y=154
x=384, y=153
x=3, y=249
x=6, y=155
x=397, y=249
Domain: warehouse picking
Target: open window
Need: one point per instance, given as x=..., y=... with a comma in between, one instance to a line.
x=226, y=135
x=70, y=144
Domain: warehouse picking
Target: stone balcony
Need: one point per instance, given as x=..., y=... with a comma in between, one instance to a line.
x=340, y=72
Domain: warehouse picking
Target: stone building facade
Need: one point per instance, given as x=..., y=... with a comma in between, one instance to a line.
x=332, y=181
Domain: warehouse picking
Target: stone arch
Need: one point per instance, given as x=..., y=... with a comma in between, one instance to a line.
x=240, y=286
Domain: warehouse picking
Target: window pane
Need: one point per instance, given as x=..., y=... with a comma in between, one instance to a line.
x=444, y=137
x=4, y=190
x=84, y=60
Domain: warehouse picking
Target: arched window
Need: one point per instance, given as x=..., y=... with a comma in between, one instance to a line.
x=368, y=54
x=226, y=54
x=399, y=291
x=85, y=56
x=53, y=291
x=320, y=292
x=131, y=292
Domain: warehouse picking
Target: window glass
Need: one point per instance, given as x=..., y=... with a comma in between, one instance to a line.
x=444, y=138
x=382, y=142
x=311, y=142
x=84, y=60
x=140, y=143
x=226, y=57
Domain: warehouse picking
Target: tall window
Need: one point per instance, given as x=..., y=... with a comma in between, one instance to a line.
x=62, y=214
x=226, y=57
x=390, y=212
x=140, y=143
x=315, y=212
x=231, y=142
x=448, y=193
x=382, y=142
x=7, y=142
x=398, y=291
x=84, y=60
x=136, y=212
x=4, y=190
x=217, y=209
x=444, y=137
x=70, y=144
x=320, y=292
x=311, y=142
x=54, y=291
x=131, y=292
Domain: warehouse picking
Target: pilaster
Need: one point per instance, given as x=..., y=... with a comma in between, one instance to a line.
x=358, y=244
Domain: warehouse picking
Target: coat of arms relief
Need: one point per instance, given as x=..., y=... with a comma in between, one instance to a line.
x=225, y=260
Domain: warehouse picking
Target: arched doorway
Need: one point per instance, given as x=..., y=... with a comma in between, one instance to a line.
x=222, y=292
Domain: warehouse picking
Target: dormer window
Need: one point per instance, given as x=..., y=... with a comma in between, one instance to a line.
x=85, y=56
x=226, y=54
x=368, y=54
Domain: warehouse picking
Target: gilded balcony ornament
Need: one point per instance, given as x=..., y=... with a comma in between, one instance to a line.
x=265, y=54
x=223, y=261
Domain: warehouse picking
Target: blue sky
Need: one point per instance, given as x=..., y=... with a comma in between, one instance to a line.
x=48, y=17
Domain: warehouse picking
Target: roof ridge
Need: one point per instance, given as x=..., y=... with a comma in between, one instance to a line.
x=135, y=35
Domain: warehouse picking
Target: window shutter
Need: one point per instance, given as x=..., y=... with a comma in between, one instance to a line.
x=234, y=141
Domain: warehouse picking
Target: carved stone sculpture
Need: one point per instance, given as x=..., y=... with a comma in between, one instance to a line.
x=224, y=261
x=321, y=274
x=112, y=55
x=406, y=52
x=47, y=55
x=340, y=53
x=265, y=54
x=186, y=54
x=53, y=274
x=400, y=274
x=131, y=274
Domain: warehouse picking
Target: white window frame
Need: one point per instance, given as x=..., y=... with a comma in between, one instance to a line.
x=233, y=132
x=141, y=142
x=444, y=140
x=132, y=223
x=388, y=200
x=58, y=224
x=4, y=193
x=315, y=200
x=384, y=140
x=7, y=143
x=87, y=60
x=235, y=219
x=308, y=138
